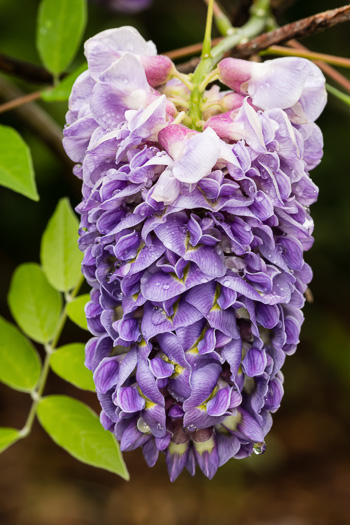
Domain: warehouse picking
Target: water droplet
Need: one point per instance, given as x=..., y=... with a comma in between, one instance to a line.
x=108, y=276
x=166, y=286
x=191, y=428
x=156, y=284
x=142, y=426
x=159, y=426
x=259, y=448
x=227, y=283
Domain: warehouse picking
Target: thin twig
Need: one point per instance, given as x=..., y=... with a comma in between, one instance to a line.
x=20, y=101
x=36, y=119
x=25, y=70
x=300, y=29
x=327, y=69
x=306, y=53
x=189, y=50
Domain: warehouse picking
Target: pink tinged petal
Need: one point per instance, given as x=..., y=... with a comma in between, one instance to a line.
x=130, y=400
x=231, y=101
x=157, y=68
x=106, y=374
x=171, y=138
x=106, y=47
x=160, y=368
x=234, y=72
x=247, y=125
x=254, y=362
x=220, y=403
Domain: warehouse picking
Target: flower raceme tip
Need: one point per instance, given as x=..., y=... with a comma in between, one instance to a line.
x=193, y=244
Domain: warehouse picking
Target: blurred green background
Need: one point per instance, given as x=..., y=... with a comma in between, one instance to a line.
x=304, y=476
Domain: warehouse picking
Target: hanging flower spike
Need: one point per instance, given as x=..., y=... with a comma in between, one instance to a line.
x=193, y=244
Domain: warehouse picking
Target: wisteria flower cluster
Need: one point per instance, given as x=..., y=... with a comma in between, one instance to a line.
x=193, y=244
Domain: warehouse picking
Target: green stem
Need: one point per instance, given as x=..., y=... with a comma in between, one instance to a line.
x=311, y=55
x=339, y=94
x=49, y=349
x=207, y=35
x=260, y=13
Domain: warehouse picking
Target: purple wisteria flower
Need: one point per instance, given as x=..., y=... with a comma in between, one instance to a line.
x=193, y=244
x=126, y=6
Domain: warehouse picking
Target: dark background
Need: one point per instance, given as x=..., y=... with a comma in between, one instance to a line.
x=304, y=476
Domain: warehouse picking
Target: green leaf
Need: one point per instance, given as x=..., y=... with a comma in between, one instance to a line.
x=34, y=304
x=8, y=436
x=60, y=255
x=62, y=91
x=20, y=363
x=76, y=428
x=60, y=28
x=16, y=167
x=75, y=310
x=68, y=363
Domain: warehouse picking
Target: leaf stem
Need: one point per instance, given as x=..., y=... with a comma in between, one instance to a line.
x=49, y=349
x=339, y=94
x=311, y=55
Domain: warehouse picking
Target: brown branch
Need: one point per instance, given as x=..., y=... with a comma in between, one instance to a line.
x=36, y=119
x=25, y=70
x=326, y=68
x=189, y=50
x=20, y=101
x=307, y=53
x=300, y=29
